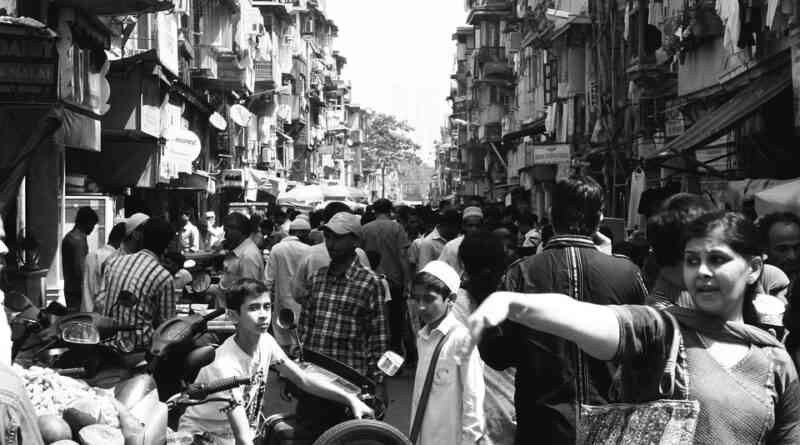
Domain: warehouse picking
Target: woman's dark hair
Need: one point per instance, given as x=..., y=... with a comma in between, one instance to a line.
x=738, y=232
x=483, y=257
x=577, y=205
x=664, y=229
x=242, y=289
x=432, y=282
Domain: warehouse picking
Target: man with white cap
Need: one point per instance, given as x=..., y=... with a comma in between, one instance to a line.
x=284, y=260
x=453, y=412
x=472, y=221
x=344, y=317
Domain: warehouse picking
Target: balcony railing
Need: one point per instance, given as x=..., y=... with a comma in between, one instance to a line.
x=205, y=57
x=491, y=54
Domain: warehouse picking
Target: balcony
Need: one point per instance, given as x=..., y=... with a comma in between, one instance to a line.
x=228, y=68
x=491, y=54
x=489, y=9
x=205, y=66
x=264, y=79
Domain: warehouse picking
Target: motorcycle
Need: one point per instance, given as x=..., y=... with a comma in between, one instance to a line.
x=73, y=344
x=322, y=422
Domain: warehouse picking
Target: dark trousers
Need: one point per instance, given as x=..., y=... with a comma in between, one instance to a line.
x=73, y=301
x=400, y=334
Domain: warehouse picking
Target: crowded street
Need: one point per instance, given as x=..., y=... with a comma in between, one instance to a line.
x=449, y=222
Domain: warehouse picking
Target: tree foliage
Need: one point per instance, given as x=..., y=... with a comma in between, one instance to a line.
x=387, y=141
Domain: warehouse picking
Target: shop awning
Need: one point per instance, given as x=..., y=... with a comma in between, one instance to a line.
x=740, y=106
x=536, y=127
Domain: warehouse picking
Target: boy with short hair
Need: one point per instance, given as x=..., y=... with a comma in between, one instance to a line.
x=454, y=410
x=251, y=351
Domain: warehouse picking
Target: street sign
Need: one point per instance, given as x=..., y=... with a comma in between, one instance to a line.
x=547, y=154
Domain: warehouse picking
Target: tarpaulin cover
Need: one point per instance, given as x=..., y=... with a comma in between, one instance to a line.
x=712, y=125
x=781, y=198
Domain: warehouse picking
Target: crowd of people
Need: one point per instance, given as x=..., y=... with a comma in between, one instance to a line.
x=495, y=310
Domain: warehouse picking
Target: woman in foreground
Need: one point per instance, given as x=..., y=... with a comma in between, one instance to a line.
x=742, y=376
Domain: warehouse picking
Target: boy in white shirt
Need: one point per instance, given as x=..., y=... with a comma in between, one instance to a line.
x=454, y=412
x=251, y=351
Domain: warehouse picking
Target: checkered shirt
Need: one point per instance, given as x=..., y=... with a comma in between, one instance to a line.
x=137, y=290
x=344, y=318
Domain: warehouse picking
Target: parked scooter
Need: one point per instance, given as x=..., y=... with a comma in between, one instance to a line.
x=323, y=422
x=73, y=344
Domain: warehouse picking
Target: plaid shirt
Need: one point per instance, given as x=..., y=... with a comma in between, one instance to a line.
x=344, y=318
x=137, y=290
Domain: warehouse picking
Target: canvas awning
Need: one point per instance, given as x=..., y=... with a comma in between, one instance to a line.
x=740, y=106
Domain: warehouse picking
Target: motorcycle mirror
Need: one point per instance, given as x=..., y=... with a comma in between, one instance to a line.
x=286, y=319
x=390, y=362
x=188, y=264
x=201, y=282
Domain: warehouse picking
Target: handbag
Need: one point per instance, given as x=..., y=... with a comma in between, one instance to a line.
x=416, y=424
x=664, y=421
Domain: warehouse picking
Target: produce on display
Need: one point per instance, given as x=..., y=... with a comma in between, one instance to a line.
x=101, y=435
x=73, y=413
x=54, y=428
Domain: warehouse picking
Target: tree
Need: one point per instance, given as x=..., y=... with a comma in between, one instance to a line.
x=387, y=141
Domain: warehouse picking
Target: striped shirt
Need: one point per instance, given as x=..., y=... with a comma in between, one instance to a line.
x=344, y=318
x=137, y=290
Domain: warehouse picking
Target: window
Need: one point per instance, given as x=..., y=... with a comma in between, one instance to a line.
x=490, y=35
x=550, y=79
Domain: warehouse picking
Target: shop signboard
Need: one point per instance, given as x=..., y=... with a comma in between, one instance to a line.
x=28, y=67
x=548, y=154
x=233, y=178
x=181, y=148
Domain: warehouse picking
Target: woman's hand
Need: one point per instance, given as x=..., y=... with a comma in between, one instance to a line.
x=490, y=313
x=360, y=409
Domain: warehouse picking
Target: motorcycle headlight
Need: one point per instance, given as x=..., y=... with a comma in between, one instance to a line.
x=81, y=333
x=201, y=282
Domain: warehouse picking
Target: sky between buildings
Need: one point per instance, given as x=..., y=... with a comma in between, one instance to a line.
x=399, y=58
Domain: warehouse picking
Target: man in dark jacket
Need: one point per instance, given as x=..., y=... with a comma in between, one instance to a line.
x=571, y=264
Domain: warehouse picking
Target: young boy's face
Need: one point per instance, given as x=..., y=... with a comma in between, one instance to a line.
x=432, y=304
x=255, y=314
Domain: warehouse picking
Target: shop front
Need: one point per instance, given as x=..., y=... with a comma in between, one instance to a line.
x=43, y=113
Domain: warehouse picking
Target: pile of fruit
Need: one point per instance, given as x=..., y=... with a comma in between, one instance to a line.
x=72, y=412
x=52, y=393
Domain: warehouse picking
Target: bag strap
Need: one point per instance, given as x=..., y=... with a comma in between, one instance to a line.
x=577, y=290
x=422, y=404
x=666, y=385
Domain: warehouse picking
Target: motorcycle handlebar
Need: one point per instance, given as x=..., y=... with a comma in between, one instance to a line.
x=214, y=314
x=199, y=391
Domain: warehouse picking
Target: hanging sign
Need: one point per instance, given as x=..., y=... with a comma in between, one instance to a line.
x=551, y=154
x=181, y=148
x=28, y=68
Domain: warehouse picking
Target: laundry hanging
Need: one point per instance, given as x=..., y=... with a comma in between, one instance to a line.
x=728, y=11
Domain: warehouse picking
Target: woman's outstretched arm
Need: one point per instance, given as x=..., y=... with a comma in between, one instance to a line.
x=594, y=328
